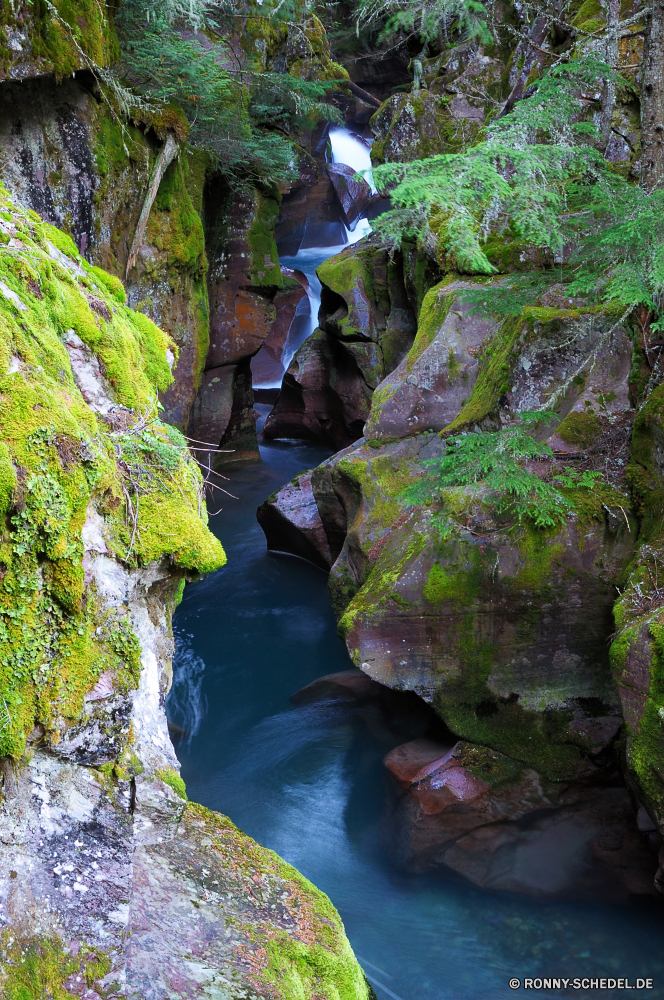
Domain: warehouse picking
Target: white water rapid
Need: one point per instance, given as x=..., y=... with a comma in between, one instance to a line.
x=356, y=153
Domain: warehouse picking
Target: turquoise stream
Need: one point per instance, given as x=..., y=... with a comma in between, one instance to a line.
x=307, y=782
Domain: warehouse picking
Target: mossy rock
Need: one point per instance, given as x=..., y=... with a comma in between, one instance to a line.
x=63, y=459
x=62, y=38
x=580, y=428
x=475, y=625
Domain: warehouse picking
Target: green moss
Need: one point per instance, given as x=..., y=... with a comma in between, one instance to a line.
x=582, y=429
x=264, y=268
x=493, y=378
x=59, y=460
x=313, y=958
x=62, y=37
x=456, y=588
x=34, y=968
x=171, y=778
x=174, y=225
x=351, y=274
x=490, y=766
x=453, y=367
x=8, y=480
x=381, y=481
x=433, y=313
x=111, y=283
x=645, y=755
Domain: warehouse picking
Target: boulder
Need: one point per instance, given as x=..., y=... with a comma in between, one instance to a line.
x=292, y=307
x=470, y=811
x=223, y=416
x=367, y=326
x=244, y=273
x=388, y=715
x=352, y=686
x=353, y=195
x=310, y=217
x=500, y=625
x=323, y=395
x=431, y=384
x=291, y=522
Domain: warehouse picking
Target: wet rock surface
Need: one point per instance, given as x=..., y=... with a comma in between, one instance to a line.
x=366, y=328
x=353, y=195
x=292, y=311
x=502, y=630
x=470, y=811
x=292, y=523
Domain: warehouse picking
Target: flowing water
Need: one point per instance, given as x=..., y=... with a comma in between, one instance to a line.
x=356, y=153
x=308, y=783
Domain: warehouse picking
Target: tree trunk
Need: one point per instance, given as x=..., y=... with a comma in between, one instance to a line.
x=652, y=98
x=612, y=8
x=166, y=156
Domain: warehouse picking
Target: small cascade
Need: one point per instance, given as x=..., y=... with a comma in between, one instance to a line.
x=355, y=152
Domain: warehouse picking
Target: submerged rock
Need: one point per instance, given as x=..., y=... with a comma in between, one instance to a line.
x=471, y=811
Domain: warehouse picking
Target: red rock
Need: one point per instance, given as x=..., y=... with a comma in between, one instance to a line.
x=411, y=762
x=512, y=831
x=266, y=366
x=291, y=522
x=323, y=395
x=347, y=685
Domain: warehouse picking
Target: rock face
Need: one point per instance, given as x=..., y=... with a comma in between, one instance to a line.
x=501, y=626
x=293, y=319
x=291, y=522
x=62, y=154
x=367, y=326
x=353, y=195
x=111, y=883
x=443, y=117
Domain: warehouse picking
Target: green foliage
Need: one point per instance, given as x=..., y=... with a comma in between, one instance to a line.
x=233, y=110
x=621, y=256
x=493, y=464
x=519, y=175
x=279, y=100
x=428, y=19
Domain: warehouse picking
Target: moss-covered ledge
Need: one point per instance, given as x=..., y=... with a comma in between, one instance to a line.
x=82, y=444
x=38, y=39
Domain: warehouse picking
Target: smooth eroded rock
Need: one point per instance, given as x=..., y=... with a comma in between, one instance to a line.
x=291, y=522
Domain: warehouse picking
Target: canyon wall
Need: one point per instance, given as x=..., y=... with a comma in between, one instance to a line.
x=113, y=884
x=537, y=644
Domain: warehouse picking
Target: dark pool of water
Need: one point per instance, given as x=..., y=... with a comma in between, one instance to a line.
x=307, y=782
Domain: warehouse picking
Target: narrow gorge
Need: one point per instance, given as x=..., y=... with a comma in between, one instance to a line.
x=331, y=485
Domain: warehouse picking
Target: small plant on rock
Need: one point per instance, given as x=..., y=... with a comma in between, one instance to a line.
x=494, y=464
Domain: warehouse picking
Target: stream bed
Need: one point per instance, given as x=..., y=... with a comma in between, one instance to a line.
x=307, y=782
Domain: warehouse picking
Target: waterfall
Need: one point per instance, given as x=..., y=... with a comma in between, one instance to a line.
x=356, y=153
